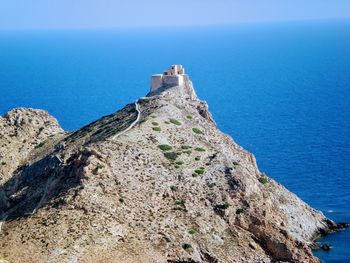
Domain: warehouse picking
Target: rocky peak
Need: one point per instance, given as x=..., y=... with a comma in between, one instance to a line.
x=154, y=182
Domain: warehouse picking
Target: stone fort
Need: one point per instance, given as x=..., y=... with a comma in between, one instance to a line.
x=174, y=76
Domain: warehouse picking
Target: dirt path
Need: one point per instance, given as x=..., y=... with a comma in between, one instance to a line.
x=137, y=106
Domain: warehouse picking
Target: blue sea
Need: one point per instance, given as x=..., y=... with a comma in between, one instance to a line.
x=282, y=91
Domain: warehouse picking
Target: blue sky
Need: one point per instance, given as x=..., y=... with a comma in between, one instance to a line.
x=49, y=14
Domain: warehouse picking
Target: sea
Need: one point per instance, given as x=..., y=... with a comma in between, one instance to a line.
x=281, y=90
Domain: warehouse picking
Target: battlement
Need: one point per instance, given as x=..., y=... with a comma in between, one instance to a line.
x=174, y=76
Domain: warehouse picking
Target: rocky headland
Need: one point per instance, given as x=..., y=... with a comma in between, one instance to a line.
x=153, y=182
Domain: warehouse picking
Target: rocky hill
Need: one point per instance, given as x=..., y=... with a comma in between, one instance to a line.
x=154, y=182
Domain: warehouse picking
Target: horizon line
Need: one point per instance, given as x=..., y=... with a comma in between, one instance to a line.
x=136, y=27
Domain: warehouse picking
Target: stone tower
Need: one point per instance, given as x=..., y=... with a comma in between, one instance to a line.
x=174, y=76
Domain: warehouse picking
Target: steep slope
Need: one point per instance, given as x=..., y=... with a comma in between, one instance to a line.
x=172, y=188
x=21, y=132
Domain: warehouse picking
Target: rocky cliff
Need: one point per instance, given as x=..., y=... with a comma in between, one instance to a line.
x=154, y=182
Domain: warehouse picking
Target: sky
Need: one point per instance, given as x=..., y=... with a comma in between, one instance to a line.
x=71, y=14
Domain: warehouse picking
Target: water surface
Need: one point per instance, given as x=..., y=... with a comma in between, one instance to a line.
x=281, y=91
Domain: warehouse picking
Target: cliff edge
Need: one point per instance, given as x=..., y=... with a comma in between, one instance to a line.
x=154, y=182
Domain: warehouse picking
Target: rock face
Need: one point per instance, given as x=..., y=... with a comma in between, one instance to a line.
x=173, y=188
x=21, y=131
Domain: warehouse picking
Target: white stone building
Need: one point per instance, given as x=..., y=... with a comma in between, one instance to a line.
x=174, y=76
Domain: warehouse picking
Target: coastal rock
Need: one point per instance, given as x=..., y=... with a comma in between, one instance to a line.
x=172, y=188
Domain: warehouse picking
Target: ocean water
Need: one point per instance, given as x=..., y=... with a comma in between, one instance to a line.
x=281, y=91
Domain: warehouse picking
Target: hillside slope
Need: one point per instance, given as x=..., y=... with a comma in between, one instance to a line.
x=172, y=188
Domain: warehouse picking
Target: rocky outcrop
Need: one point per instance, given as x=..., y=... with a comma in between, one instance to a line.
x=24, y=132
x=171, y=189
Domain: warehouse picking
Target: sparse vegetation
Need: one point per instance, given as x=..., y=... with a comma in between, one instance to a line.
x=99, y=166
x=192, y=231
x=263, y=180
x=235, y=163
x=240, y=211
x=155, y=123
x=189, y=117
x=224, y=206
x=39, y=145
x=179, y=162
x=185, y=147
x=121, y=200
x=197, y=131
x=174, y=121
x=3, y=163
x=188, y=152
x=197, y=158
x=158, y=129
x=170, y=156
x=165, y=147
x=199, y=171
x=174, y=188
x=199, y=149
x=166, y=122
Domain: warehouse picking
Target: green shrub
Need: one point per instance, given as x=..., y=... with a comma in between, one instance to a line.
x=155, y=123
x=166, y=122
x=174, y=188
x=199, y=171
x=188, y=152
x=189, y=117
x=39, y=145
x=194, y=175
x=174, y=121
x=192, y=231
x=170, y=156
x=121, y=200
x=179, y=162
x=197, y=158
x=197, y=131
x=235, y=163
x=263, y=180
x=158, y=129
x=99, y=166
x=145, y=99
x=199, y=149
x=165, y=147
x=3, y=163
x=240, y=211
x=224, y=206
x=185, y=147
